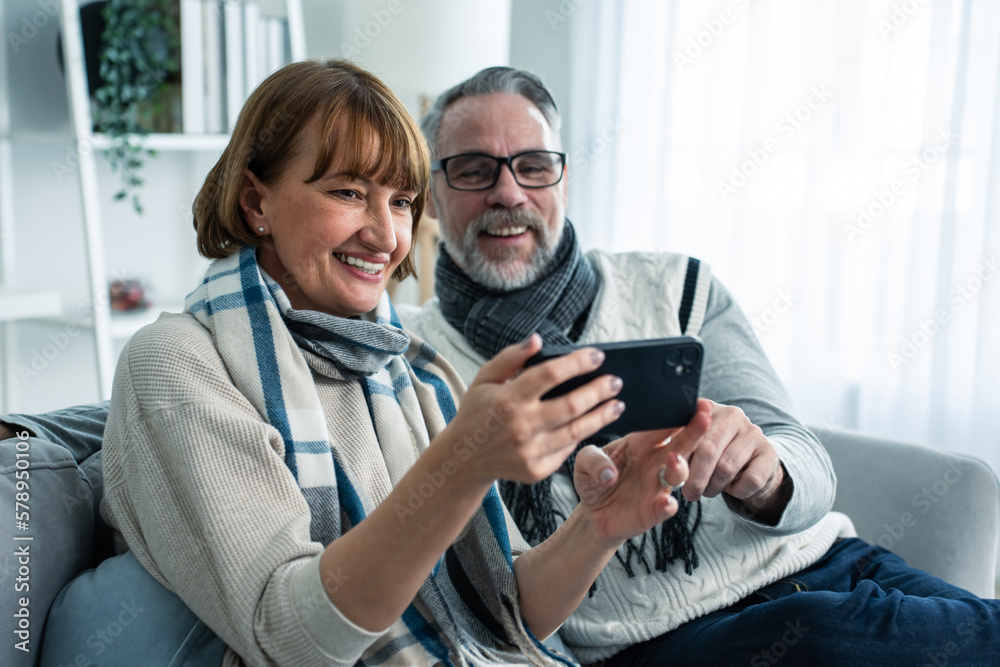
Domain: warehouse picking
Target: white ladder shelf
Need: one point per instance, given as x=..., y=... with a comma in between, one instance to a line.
x=46, y=305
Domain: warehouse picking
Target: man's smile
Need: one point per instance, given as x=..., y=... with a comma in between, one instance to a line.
x=507, y=231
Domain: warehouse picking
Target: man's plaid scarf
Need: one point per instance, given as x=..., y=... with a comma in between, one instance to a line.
x=551, y=306
x=467, y=609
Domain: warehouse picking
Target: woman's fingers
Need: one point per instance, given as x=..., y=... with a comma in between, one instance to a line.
x=626, y=486
x=656, y=438
x=588, y=424
x=509, y=361
x=545, y=431
x=540, y=379
x=534, y=438
x=594, y=472
x=674, y=472
x=556, y=412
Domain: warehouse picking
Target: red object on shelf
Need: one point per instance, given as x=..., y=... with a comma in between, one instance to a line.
x=128, y=295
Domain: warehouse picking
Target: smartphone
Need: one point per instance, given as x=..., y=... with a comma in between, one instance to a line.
x=660, y=379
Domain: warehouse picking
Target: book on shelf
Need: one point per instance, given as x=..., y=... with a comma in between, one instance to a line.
x=236, y=94
x=277, y=43
x=215, y=68
x=273, y=49
x=192, y=68
x=251, y=18
x=227, y=48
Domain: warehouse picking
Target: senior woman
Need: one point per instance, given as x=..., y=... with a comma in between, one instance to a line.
x=314, y=483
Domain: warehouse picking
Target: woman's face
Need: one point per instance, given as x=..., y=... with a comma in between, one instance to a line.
x=332, y=244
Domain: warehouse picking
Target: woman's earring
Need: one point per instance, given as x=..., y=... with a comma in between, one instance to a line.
x=260, y=229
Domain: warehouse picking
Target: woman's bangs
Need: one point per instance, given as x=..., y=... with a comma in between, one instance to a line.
x=376, y=145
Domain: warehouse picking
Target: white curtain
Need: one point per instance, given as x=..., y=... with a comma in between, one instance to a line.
x=838, y=166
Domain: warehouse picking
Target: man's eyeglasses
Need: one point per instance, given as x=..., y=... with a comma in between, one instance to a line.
x=478, y=171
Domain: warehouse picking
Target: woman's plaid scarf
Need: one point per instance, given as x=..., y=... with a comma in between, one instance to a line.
x=556, y=306
x=469, y=604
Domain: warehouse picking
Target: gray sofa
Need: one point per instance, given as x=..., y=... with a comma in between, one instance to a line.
x=937, y=510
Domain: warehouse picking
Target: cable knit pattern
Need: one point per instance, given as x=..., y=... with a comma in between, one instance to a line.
x=639, y=298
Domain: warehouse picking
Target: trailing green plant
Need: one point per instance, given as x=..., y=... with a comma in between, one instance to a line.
x=140, y=50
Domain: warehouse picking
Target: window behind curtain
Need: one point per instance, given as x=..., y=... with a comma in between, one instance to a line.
x=838, y=166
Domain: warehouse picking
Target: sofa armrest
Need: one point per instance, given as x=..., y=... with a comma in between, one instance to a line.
x=937, y=510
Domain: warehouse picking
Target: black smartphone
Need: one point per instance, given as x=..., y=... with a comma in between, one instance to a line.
x=660, y=379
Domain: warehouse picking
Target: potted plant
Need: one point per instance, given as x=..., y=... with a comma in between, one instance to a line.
x=139, y=91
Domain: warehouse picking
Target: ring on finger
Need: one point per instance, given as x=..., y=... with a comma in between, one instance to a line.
x=663, y=479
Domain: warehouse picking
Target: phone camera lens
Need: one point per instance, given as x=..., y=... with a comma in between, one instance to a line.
x=690, y=355
x=673, y=357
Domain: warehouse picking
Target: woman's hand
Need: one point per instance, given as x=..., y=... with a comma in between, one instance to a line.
x=503, y=430
x=621, y=495
x=625, y=488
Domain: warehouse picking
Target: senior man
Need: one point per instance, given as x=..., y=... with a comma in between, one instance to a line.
x=754, y=567
x=754, y=559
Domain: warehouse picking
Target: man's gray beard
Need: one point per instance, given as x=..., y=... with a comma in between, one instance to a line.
x=499, y=272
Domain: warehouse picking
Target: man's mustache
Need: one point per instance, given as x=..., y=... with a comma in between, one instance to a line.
x=505, y=218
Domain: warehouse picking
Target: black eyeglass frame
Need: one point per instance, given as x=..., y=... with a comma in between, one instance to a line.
x=440, y=165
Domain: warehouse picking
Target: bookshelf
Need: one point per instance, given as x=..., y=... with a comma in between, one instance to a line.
x=237, y=37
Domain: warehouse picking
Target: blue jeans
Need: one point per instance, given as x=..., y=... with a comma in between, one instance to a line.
x=858, y=605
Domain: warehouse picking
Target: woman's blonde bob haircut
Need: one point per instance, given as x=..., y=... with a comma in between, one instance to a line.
x=361, y=122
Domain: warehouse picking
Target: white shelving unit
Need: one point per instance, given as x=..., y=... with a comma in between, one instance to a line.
x=14, y=306
x=107, y=327
x=123, y=325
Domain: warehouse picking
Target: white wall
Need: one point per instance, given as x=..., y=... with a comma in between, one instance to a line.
x=539, y=42
x=416, y=47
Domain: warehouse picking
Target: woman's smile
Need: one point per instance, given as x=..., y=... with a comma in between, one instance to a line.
x=363, y=267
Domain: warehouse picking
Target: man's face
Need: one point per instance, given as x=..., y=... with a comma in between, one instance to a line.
x=502, y=237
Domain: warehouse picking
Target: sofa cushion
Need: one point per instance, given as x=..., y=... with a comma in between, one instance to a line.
x=79, y=428
x=53, y=545
x=118, y=614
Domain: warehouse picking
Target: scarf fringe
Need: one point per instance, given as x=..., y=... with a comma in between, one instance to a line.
x=532, y=509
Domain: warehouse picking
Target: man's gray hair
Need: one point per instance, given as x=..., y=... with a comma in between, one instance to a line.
x=487, y=82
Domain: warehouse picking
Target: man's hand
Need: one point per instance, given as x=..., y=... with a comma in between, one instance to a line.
x=734, y=456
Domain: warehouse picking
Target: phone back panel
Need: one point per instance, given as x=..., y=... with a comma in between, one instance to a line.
x=660, y=380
